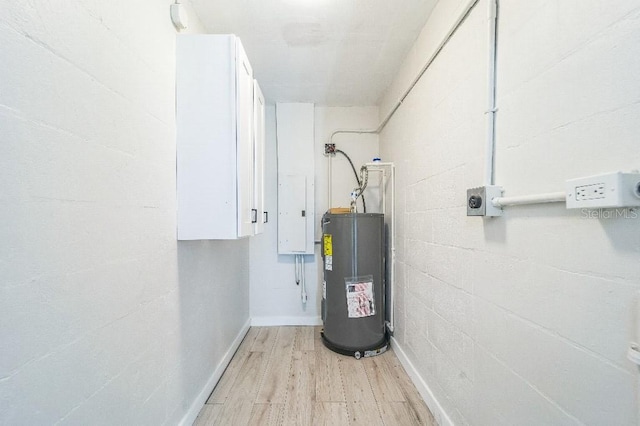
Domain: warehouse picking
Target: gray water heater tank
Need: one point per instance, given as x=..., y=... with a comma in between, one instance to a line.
x=353, y=302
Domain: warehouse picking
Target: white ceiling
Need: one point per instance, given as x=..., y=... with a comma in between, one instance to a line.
x=329, y=52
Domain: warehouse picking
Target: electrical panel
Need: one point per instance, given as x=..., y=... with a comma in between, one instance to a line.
x=609, y=190
x=292, y=214
x=296, y=176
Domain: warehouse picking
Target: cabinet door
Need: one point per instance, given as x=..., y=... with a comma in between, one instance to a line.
x=247, y=215
x=206, y=154
x=259, y=147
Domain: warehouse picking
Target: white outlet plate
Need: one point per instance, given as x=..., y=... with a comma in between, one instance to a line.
x=609, y=190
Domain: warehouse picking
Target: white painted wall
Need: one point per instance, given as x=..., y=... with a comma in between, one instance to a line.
x=523, y=319
x=275, y=298
x=104, y=317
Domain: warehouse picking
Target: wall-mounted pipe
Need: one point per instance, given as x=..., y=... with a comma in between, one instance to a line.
x=330, y=179
x=383, y=167
x=458, y=22
x=303, y=290
x=300, y=276
x=551, y=197
x=492, y=45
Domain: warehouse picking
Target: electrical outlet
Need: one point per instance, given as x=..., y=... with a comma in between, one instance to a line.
x=609, y=190
x=595, y=191
x=329, y=148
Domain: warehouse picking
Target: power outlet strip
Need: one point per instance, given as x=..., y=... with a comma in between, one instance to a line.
x=609, y=190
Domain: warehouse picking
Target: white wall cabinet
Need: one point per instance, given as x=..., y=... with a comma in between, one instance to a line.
x=219, y=176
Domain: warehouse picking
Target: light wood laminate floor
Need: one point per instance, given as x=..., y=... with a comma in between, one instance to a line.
x=286, y=376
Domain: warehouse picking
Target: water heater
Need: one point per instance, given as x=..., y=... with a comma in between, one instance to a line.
x=353, y=290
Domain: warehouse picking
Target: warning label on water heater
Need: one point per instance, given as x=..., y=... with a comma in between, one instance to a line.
x=328, y=252
x=360, y=298
x=328, y=263
x=328, y=245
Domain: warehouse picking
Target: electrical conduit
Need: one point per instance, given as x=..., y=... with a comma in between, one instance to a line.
x=492, y=20
x=491, y=116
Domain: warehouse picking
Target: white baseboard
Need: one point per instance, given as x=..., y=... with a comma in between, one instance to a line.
x=425, y=392
x=196, y=406
x=279, y=321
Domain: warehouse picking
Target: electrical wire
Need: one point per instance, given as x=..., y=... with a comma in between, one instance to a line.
x=355, y=173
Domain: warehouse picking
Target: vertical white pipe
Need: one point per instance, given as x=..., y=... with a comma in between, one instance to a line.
x=330, y=182
x=392, y=275
x=637, y=338
x=302, y=283
x=492, y=19
x=390, y=179
x=297, y=269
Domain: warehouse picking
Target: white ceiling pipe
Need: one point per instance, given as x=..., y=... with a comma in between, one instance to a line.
x=458, y=22
x=461, y=17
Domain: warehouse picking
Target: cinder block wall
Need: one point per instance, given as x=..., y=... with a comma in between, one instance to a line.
x=523, y=319
x=104, y=317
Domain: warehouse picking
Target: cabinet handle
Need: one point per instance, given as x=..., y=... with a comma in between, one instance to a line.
x=254, y=216
x=266, y=217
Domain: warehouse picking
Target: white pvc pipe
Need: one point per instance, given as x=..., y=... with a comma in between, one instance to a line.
x=330, y=181
x=458, y=22
x=492, y=20
x=302, y=279
x=392, y=249
x=392, y=275
x=551, y=197
x=461, y=17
